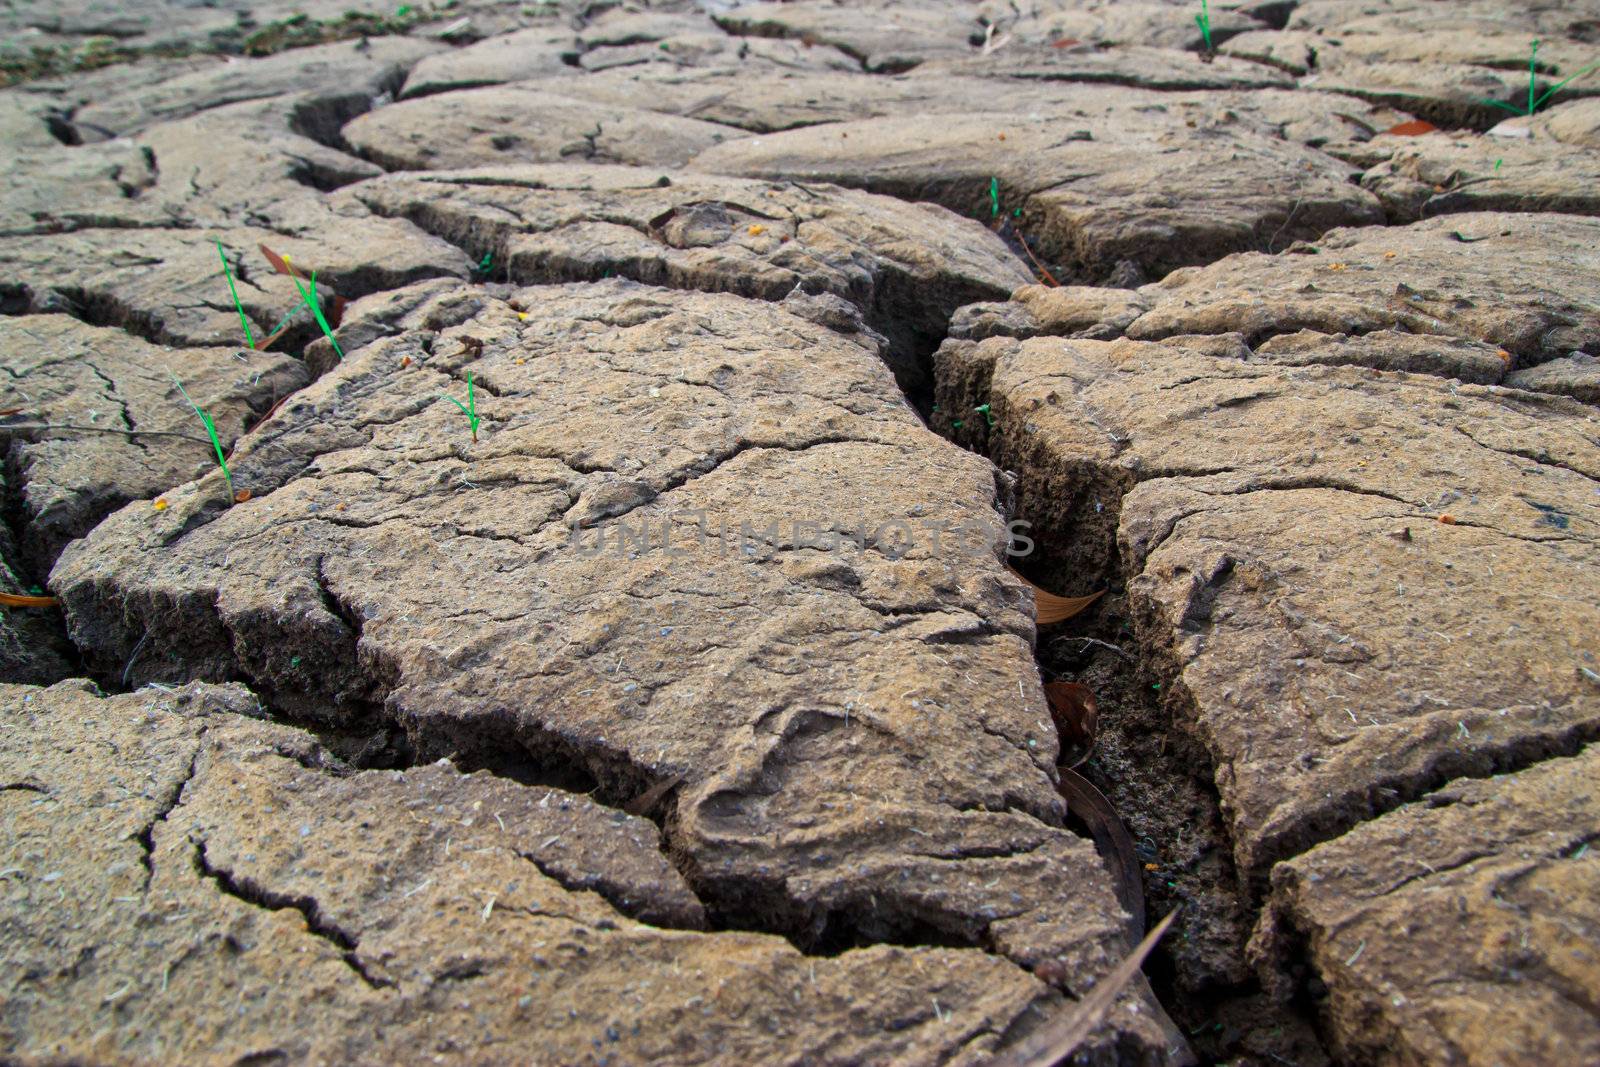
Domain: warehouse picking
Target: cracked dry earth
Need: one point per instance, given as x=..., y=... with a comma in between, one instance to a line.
x=683, y=706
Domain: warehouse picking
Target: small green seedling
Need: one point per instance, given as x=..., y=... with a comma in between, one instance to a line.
x=1535, y=101
x=486, y=264
x=994, y=198
x=211, y=432
x=243, y=321
x=1203, y=20
x=469, y=409
x=310, y=299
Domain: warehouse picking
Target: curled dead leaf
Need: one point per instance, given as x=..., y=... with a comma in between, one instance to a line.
x=242, y=495
x=1111, y=840
x=1076, y=715
x=1049, y=608
x=643, y=803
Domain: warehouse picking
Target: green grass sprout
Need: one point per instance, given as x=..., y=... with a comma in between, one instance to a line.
x=211, y=432
x=994, y=198
x=469, y=409
x=310, y=299
x=243, y=320
x=1203, y=20
x=1536, y=101
x=486, y=264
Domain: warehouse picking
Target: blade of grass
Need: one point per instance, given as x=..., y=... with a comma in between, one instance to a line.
x=1203, y=20
x=316, y=309
x=243, y=320
x=470, y=408
x=1533, y=73
x=211, y=432
x=1553, y=90
x=1535, y=102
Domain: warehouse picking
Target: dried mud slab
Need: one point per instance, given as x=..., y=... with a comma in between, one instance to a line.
x=633, y=39
x=51, y=187
x=1109, y=22
x=1577, y=123
x=1577, y=375
x=166, y=285
x=1524, y=283
x=1439, y=175
x=83, y=379
x=1447, y=94
x=224, y=25
x=884, y=37
x=372, y=67
x=619, y=39
x=1353, y=585
x=498, y=125
x=509, y=57
x=766, y=101
x=1459, y=929
x=1094, y=193
x=873, y=262
x=618, y=578
x=1440, y=62
x=187, y=884
x=260, y=162
x=237, y=164
x=1136, y=66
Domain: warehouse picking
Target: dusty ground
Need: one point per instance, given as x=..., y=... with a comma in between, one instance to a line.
x=604, y=647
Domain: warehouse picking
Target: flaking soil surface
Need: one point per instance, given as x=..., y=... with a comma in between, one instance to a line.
x=378, y=764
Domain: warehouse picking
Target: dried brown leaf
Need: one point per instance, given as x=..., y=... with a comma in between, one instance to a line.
x=279, y=264
x=17, y=600
x=1111, y=840
x=643, y=803
x=1049, y=608
x=1076, y=714
x=1414, y=128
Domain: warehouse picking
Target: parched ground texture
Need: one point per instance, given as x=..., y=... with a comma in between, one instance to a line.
x=603, y=642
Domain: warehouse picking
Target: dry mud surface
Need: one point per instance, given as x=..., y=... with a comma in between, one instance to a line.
x=607, y=641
